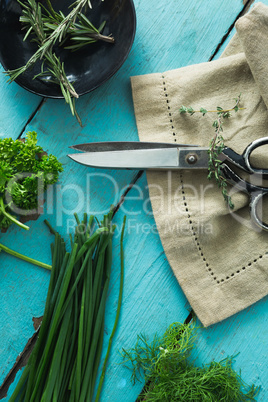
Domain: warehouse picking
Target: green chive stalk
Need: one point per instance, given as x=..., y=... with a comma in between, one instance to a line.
x=119, y=304
x=24, y=257
x=65, y=360
x=11, y=217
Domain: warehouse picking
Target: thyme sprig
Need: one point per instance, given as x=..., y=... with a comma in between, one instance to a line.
x=220, y=111
x=216, y=144
x=48, y=29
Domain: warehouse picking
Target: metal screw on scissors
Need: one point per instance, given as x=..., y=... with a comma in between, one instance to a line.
x=151, y=155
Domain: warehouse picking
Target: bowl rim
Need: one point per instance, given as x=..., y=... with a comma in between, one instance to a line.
x=104, y=80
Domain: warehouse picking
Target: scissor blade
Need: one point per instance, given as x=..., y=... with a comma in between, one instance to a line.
x=162, y=158
x=124, y=146
x=130, y=159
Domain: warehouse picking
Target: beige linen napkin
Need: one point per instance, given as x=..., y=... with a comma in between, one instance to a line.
x=219, y=258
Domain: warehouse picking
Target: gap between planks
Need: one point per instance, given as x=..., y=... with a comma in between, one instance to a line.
x=247, y=5
x=22, y=358
x=32, y=116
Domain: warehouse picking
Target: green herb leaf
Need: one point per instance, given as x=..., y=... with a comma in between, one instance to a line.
x=216, y=145
x=170, y=374
x=183, y=109
x=203, y=111
x=24, y=167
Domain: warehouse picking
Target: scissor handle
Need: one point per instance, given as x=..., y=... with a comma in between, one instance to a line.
x=243, y=161
x=255, y=199
x=256, y=193
x=247, y=152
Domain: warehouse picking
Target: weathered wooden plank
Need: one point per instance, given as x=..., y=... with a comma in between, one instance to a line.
x=16, y=107
x=245, y=335
x=168, y=36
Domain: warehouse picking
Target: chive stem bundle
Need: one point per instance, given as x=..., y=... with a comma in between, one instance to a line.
x=64, y=362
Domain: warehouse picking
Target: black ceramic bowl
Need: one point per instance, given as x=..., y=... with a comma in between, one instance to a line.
x=89, y=67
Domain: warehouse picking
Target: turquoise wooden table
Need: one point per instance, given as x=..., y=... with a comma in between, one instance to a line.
x=170, y=34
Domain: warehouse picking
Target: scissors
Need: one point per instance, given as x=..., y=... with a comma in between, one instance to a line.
x=151, y=155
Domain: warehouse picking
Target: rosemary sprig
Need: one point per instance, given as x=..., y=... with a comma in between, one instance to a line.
x=49, y=28
x=216, y=145
x=32, y=19
x=56, y=73
x=82, y=32
x=29, y=14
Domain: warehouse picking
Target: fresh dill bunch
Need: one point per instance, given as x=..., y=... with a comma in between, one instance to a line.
x=145, y=357
x=170, y=374
x=216, y=145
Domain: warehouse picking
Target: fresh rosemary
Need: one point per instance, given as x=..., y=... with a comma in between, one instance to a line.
x=216, y=144
x=49, y=29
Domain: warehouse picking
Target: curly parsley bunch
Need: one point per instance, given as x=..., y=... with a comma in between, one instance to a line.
x=24, y=169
